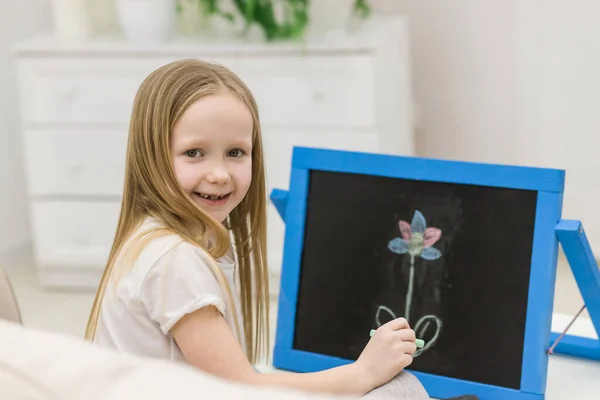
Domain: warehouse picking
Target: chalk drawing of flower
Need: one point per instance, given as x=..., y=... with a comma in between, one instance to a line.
x=417, y=239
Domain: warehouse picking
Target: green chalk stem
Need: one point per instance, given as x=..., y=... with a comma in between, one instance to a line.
x=419, y=342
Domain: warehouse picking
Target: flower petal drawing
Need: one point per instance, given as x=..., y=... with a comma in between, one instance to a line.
x=418, y=223
x=405, y=230
x=416, y=240
x=430, y=253
x=431, y=236
x=398, y=246
x=421, y=329
x=388, y=311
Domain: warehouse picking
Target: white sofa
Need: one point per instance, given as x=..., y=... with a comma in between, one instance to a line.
x=40, y=365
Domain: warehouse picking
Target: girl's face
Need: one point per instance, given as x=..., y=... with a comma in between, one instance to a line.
x=211, y=148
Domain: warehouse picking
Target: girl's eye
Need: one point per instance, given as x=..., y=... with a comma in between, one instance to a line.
x=235, y=153
x=193, y=153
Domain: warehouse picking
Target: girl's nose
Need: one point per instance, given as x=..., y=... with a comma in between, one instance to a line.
x=218, y=176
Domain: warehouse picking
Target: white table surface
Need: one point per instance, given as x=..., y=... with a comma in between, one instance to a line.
x=572, y=378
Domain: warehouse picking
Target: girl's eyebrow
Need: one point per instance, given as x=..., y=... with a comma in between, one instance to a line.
x=242, y=143
x=193, y=142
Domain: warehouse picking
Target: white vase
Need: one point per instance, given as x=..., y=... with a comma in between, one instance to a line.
x=330, y=15
x=71, y=19
x=147, y=21
x=104, y=15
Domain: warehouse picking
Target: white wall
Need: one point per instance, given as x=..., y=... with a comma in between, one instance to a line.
x=511, y=81
x=18, y=19
x=465, y=76
x=571, y=118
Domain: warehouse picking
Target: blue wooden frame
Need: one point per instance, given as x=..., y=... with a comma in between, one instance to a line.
x=549, y=184
x=579, y=254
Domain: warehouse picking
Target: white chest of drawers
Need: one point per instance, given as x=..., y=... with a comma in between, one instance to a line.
x=75, y=101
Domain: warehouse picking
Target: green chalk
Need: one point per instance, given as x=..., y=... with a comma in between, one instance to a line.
x=419, y=342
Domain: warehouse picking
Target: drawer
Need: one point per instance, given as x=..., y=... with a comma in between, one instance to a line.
x=83, y=90
x=75, y=162
x=326, y=91
x=79, y=90
x=316, y=91
x=73, y=234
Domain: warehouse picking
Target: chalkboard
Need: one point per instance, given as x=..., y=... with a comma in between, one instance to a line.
x=467, y=252
x=474, y=286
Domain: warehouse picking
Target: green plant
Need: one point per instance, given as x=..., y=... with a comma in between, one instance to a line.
x=210, y=8
x=362, y=8
x=263, y=14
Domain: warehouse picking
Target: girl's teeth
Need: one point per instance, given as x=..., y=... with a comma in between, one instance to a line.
x=210, y=197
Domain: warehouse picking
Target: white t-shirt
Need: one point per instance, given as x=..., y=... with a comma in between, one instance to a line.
x=169, y=279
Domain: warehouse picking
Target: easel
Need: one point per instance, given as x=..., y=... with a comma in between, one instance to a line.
x=587, y=276
x=549, y=232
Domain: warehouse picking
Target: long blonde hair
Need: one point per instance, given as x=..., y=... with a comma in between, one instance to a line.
x=151, y=189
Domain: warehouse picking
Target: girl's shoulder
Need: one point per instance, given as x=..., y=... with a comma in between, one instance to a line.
x=146, y=247
x=152, y=249
x=151, y=241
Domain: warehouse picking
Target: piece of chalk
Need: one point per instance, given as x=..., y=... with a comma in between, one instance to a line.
x=419, y=342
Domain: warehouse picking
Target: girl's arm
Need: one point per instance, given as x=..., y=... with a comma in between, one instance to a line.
x=208, y=343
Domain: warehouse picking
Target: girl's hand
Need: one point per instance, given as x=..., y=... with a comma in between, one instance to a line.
x=388, y=352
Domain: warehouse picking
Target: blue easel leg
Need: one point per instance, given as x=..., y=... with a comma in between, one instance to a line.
x=587, y=275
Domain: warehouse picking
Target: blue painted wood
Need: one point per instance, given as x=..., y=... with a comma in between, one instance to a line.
x=576, y=346
x=541, y=292
x=279, y=199
x=292, y=254
x=579, y=254
x=436, y=386
x=581, y=259
x=542, y=179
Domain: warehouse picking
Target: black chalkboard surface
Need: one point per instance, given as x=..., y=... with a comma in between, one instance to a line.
x=471, y=252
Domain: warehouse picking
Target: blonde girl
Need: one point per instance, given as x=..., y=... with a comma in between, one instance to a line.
x=186, y=278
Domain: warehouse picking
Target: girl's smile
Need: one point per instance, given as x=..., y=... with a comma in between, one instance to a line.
x=211, y=200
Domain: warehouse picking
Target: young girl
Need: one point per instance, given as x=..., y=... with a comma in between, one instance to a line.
x=186, y=277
